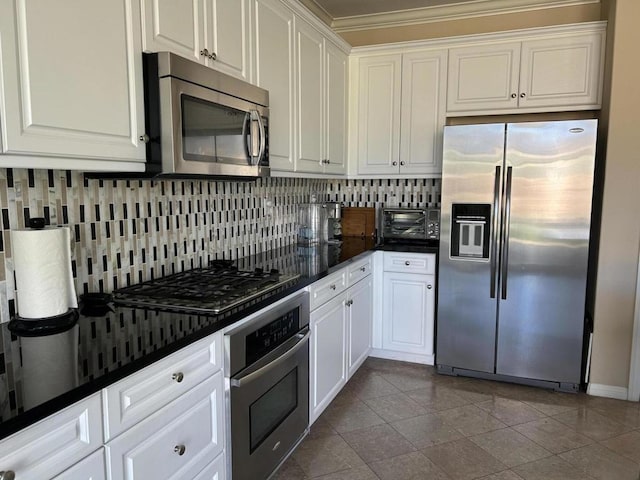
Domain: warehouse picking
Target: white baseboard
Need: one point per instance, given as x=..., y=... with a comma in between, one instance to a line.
x=402, y=356
x=608, y=391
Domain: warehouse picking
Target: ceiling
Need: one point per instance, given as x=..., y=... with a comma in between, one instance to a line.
x=351, y=8
x=347, y=15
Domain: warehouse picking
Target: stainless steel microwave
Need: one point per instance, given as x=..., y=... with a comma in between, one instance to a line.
x=203, y=122
x=411, y=223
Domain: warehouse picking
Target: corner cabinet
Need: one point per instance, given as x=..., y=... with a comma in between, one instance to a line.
x=71, y=86
x=408, y=308
x=552, y=73
x=212, y=32
x=401, y=113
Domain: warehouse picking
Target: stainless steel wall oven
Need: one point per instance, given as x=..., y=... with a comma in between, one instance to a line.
x=267, y=363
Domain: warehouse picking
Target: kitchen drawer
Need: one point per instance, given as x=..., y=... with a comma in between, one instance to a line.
x=325, y=289
x=91, y=468
x=139, y=395
x=176, y=442
x=56, y=443
x=422, y=263
x=359, y=269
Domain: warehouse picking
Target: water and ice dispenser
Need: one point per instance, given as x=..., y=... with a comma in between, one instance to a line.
x=470, y=230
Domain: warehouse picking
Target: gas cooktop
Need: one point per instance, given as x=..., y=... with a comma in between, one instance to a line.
x=213, y=289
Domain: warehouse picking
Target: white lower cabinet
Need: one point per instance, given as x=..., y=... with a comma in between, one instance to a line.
x=328, y=369
x=340, y=333
x=408, y=308
x=359, y=323
x=56, y=443
x=214, y=471
x=176, y=442
x=91, y=468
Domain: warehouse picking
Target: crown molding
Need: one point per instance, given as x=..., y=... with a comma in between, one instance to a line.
x=457, y=11
x=318, y=11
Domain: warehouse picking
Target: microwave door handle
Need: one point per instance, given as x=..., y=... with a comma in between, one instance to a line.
x=263, y=138
x=253, y=137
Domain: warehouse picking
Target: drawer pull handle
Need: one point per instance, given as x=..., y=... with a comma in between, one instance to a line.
x=429, y=287
x=178, y=377
x=8, y=475
x=332, y=287
x=363, y=269
x=180, y=449
x=407, y=263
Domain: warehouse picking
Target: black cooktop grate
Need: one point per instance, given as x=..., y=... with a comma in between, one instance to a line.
x=213, y=289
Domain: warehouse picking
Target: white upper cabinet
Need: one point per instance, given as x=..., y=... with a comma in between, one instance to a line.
x=71, y=85
x=212, y=32
x=309, y=98
x=337, y=71
x=378, y=120
x=552, y=73
x=401, y=113
x=322, y=103
x=274, y=71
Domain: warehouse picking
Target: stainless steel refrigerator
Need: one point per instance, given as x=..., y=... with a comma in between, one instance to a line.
x=514, y=244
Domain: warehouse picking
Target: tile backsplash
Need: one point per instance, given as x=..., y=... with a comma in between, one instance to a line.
x=125, y=232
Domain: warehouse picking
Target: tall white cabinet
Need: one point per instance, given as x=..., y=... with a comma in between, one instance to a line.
x=274, y=71
x=71, y=85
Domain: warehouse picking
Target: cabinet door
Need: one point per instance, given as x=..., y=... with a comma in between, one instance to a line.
x=360, y=323
x=176, y=442
x=91, y=468
x=408, y=313
x=336, y=64
x=310, y=95
x=424, y=77
x=327, y=365
x=214, y=471
x=71, y=80
x=227, y=36
x=56, y=443
x=175, y=26
x=379, y=91
x=483, y=77
x=562, y=71
x=274, y=72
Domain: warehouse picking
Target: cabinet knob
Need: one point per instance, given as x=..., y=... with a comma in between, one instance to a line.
x=394, y=164
x=401, y=163
x=143, y=138
x=178, y=377
x=332, y=287
x=8, y=475
x=513, y=95
x=429, y=287
x=407, y=263
x=363, y=269
x=204, y=52
x=348, y=303
x=522, y=95
x=180, y=449
x=328, y=161
x=213, y=56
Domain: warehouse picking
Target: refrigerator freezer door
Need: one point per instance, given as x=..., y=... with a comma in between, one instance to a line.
x=466, y=334
x=540, y=326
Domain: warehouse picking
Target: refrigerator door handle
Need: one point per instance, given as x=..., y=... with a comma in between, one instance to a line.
x=507, y=227
x=494, y=237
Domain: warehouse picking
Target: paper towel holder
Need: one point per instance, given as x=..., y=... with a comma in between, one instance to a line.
x=40, y=327
x=37, y=223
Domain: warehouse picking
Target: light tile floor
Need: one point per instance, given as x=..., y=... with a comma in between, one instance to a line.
x=402, y=421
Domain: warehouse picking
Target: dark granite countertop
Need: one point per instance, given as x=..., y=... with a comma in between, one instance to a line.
x=40, y=375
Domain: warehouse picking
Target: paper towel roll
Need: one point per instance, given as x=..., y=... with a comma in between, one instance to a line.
x=44, y=278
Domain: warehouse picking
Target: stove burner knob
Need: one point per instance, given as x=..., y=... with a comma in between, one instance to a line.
x=178, y=377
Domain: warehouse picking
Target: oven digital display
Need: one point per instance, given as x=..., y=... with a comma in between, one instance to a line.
x=271, y=336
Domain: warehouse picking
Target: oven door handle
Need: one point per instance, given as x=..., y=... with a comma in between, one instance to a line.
x=250, y=377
